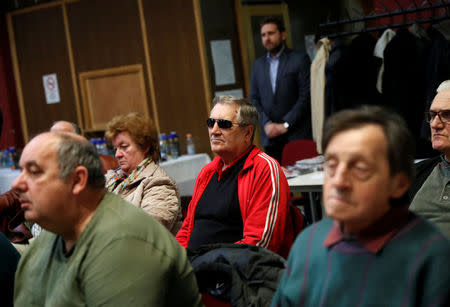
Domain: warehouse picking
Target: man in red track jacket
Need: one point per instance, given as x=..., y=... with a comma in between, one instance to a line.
x=242, y=195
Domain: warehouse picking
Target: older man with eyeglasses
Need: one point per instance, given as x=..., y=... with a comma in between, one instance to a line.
x=431, y=188
x=242, y=195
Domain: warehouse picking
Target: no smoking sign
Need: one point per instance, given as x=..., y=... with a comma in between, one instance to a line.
x=51, y=88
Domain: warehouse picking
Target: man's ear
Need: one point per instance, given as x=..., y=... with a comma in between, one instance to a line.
x=79, y=179
x=400, y=185
x=283, y=36
x=250, y=132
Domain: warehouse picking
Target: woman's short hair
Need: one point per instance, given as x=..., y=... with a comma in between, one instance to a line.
x=141, y=129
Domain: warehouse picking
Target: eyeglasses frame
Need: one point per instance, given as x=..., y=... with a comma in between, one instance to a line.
x=429, y=118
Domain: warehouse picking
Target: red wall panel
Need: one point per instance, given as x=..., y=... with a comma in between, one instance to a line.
x=12, y=130
x=381, y=7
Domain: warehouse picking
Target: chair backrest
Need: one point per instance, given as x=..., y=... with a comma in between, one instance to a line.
x=298, y=150
x=298, y=220
x=108, y=162
x=210, y=301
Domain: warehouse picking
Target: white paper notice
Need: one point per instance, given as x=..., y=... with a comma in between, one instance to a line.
x=51, y=88
x=223, y=62
x=238, y=93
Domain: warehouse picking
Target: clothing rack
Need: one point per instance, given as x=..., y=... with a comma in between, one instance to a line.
x=382, y=28
x=387, y=14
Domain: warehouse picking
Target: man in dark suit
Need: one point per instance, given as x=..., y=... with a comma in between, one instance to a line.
x=280, y=90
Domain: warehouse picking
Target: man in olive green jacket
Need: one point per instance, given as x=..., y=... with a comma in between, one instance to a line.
x=96, y=249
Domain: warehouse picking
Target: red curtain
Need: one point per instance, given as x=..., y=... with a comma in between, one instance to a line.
x=12, y=130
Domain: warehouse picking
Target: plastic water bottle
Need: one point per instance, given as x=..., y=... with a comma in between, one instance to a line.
x=11, y=158
x=98, y=145
x=94, y=142
x=174, y=143
x=5, y=158
x=3, y=163
x=163, y=146
x=190, y=147
x=103, y=147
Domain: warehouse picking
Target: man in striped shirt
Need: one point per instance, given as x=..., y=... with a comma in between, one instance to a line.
x=242, y=195
x=372, y=251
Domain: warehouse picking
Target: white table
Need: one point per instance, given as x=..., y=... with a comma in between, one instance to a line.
x=7, y=177
x=308, y=183
x=311, y=182
x=184, y=171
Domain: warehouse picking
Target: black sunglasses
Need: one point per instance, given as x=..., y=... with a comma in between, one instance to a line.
x=222, y=123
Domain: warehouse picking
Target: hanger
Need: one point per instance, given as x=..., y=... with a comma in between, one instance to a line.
x=401, y=10
x=391, y=18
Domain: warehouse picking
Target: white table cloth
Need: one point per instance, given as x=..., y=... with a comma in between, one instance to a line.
x=184, y=171
x=7, y=177
x=309, y=183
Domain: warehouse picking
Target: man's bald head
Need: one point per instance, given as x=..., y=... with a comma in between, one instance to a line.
x=65, y=126
x=73, y=150
x=61, y=183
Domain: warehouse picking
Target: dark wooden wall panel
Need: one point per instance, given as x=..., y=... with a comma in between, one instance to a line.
x=42, y=49
x=219, y=23
x=176, y=65
x=106, y=34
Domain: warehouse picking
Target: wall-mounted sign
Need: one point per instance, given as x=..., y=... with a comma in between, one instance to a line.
x=223, y=62
x=239, y=93
x=51, y=88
